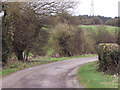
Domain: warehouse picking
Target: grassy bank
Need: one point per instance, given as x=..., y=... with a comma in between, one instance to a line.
x=89, y=77
x=15, y=65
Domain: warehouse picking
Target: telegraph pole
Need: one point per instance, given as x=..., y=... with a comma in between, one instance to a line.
x=92, y=8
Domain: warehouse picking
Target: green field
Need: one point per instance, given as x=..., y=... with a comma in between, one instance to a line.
x=94, y=28
x=89, y=77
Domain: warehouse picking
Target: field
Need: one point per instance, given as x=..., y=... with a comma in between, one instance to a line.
x=94, y=28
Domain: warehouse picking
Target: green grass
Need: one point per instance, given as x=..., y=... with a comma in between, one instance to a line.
x=65, y=58
x=89, y=77
x=8, y=71
x=18, y=65
x=111, y=29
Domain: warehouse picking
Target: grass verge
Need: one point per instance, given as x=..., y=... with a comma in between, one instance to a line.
x=18, y=65
x=89, y=77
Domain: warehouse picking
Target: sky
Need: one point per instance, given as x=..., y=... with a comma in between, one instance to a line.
x=107, y=8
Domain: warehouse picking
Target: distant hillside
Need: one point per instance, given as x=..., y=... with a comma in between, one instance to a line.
x=97, y=20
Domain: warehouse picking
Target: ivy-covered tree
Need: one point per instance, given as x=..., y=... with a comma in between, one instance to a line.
x=23, y=23
x=7, y=32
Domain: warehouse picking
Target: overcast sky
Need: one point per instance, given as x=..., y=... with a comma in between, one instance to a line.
x=107, y=8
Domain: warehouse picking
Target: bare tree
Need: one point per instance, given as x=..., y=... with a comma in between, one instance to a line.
x=51, y=8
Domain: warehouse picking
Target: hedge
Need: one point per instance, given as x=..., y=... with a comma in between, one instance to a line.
x=109, y=58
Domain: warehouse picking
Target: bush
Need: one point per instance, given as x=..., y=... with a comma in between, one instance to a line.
x=118, y=39
x=65, y=40
x=104, y=35
x=109, y=56
x=70, y=40
x=88, y=42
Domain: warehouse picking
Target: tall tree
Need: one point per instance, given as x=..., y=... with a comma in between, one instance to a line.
x=18, y=24
x=7, y=32
x=23, y=22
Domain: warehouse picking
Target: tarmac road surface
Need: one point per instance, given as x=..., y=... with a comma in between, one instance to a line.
x=61, y=74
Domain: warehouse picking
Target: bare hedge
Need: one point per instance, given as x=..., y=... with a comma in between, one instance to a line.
x=109, y=58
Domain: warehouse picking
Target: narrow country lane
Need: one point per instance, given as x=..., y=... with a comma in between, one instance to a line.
x=61, y=74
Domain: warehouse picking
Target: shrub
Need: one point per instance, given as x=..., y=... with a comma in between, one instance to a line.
x=69, y=40
x=109, y=56
x=88, y=42
x=104, y=35
x=118, y=39
x=65, y=40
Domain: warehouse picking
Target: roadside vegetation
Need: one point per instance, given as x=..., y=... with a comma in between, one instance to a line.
x=90, y=77
x=30, y=33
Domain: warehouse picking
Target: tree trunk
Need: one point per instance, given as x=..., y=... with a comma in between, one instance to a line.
x=27, y=55
x=20, y=55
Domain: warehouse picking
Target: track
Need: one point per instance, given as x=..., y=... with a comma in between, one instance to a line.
x=61, y=74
